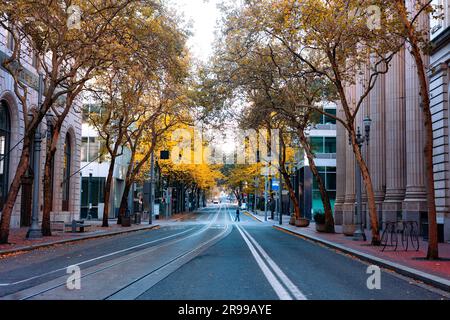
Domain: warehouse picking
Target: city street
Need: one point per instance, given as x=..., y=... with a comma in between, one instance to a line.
x=205, y=257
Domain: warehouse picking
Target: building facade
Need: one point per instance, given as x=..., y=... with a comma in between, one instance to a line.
x=66, y=187
x=322, y=137
x=95, y=171
x=395, y=155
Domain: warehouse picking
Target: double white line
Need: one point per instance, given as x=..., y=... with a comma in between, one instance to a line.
x=282, y=285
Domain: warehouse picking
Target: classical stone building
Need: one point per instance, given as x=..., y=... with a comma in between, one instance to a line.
x=66, y=188
x=395, y=154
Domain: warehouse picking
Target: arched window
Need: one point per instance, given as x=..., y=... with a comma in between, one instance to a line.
x=5, y=133
x=66, y=173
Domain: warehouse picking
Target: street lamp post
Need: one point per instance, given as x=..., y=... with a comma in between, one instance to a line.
x=280, y=189
x=35, y=232
x=266, y=186
x=89, y=215
x=360, y=139
x=152, y=188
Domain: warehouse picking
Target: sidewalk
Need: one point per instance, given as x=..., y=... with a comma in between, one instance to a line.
x=19, y=244
x=411, y=263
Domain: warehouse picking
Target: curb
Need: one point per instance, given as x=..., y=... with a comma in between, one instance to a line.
x=429, y=279
x=94, y=236
x=251, y=215
x=254, y=216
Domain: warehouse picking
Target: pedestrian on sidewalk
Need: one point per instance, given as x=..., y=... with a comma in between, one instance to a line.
x=237, y=216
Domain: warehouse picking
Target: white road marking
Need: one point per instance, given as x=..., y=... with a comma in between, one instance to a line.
x=298, y=295
x=273, y=281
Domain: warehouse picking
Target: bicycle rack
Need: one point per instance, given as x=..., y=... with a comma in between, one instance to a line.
x=408, y=230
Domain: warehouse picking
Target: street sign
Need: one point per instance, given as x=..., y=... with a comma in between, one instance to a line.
x=275, y=185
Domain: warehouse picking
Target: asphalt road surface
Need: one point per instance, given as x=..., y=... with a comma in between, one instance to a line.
x=206, y=257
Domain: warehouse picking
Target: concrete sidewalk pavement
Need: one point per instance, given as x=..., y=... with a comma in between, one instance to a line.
x=412, y=263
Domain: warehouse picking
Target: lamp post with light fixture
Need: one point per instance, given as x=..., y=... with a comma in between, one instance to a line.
x=360, y=140
x=34, y=232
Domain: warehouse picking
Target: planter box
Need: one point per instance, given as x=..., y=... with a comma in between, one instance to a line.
x=126, y=222
x=302, y=223
x=292, y=221
x=321, y=227
x=349, y=229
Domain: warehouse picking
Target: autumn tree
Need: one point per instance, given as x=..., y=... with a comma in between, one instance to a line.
x=332, y=40
x=66, y=56
x=415, y=30
x=118, y=30
x=279, y=94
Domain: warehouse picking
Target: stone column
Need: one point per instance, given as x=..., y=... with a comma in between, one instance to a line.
x=350, y=195
x=395, y=139
x=341, y=142
x=377, y=143
x=415, y=199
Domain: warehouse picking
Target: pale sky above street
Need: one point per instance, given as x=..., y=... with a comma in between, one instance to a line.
x=203, y=14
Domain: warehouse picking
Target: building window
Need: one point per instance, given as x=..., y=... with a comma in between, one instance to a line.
x=90, y=149
x=92, y=192
x=10, y=41
x=330, y=145
x=317, y=144
x=327, y=119
x=66, y=173
x=328, y=175
x=323, y=144
x=34, y=60
x=5, y=134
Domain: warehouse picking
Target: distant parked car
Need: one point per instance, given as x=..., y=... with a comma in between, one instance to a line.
x=244, y=206
x=216, y=201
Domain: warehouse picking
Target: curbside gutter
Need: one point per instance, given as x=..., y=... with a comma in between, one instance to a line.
x=88, y=237
x=415, y=274
x=251, y=215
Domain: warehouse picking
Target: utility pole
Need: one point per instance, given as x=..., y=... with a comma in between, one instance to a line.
x=266, y=182
x=280, y=189
x=152, y=187
x=89, y=213
x=35, y=232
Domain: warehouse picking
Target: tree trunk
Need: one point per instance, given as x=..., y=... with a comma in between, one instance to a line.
x=48, y=196
x=433, y=246
x=292, y=194
x=329, y=220
x=376, y=240
x=47, y=185
x=14, y=189
x=124, y=202
x=107, y=193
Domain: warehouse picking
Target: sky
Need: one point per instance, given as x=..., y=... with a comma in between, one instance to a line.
x=203, y=14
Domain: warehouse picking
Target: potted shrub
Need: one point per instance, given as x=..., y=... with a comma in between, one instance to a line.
x=292, y=220
x=302, y=223
x=319, y=218
x=348, y=229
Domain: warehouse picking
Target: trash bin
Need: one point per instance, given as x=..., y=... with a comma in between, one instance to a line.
x=126, y=222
